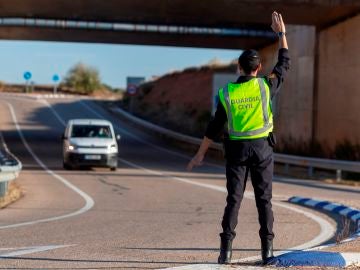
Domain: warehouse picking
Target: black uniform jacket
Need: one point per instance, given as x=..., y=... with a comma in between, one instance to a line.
x=275, y=80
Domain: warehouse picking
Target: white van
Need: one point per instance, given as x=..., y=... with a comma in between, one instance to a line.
x=90, y=142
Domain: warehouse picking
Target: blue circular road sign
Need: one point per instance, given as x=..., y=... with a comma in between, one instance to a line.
x=56, y=78
x=27, y=75
x=132, y=89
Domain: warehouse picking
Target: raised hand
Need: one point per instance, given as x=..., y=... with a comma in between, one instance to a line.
x=277, y=24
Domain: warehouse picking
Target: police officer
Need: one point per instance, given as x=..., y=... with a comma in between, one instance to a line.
x=246, y=107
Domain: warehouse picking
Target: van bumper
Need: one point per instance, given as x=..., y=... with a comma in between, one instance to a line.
x=98, y=160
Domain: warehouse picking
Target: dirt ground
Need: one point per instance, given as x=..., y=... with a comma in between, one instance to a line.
x=352, y=246
x=14, y=193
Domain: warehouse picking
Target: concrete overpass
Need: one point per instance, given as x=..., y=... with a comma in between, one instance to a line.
x=324, y=46
x=183, y=22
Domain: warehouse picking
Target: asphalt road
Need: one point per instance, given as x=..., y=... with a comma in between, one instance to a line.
x=149, y=214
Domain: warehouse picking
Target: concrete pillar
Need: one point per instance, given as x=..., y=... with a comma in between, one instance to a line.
x=339, y=88
x=294, y=103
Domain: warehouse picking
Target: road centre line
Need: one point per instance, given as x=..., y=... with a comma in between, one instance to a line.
x=89, y=202
x=28, y=250
x=326, y=229
x=218, y=188
x=44, y=101
x=143, y=141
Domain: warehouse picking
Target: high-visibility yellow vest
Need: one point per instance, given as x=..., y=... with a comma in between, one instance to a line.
x=248, y=109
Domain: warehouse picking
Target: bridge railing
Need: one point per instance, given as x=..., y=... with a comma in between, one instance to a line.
x=10, y=168
x=330, y=164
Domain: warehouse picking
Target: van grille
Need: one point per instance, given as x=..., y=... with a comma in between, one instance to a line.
x=92, y=147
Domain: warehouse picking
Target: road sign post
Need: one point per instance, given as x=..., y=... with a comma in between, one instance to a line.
x=132, y=86
x=27, y=77
x=55, y=79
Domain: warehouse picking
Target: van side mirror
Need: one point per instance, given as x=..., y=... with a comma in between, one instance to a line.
x=63, y=137
x=118, y=137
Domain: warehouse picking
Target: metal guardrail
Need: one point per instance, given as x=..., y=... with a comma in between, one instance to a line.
x=10, y=167
x=309, y=162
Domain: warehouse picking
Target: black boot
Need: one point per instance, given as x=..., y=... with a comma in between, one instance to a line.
x=225, y=252
x=266, y=250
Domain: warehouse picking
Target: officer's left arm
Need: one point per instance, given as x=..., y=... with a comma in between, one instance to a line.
x=197, y=160
x=214, y=127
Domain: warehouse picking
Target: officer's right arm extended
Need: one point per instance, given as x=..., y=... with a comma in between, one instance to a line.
x=278, y=26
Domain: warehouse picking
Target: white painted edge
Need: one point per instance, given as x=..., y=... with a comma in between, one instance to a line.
x=279, y=158
x=216, y=267
x=58, y=117
x=331, y=207
x=346, y=211
x=30, y=250
x=343, y=213
x=39, y=96
x=351, y=258
x=326, y=229
x=143, y=141
x=89, y=202
x=355, y=217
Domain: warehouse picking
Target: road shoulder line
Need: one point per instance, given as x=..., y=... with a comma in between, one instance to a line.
x=89, y=202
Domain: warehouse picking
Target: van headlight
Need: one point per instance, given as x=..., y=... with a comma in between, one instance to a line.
x=71, y=147
x=112, y=147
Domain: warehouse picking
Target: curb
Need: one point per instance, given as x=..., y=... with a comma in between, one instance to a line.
x=314, y=257
x=348, y=212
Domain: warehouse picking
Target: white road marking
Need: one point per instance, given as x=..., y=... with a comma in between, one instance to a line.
x=187, y=181
x=346, y=211
x=44, y=101
x=355, y=217
x=14, y=252
x=216, y=267
x=351, y=258
x=326, y=229
x=332, y=206
x=143, y=141
x=312, y=203
x=89, y=202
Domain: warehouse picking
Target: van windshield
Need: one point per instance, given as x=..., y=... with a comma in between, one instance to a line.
x=91, y=131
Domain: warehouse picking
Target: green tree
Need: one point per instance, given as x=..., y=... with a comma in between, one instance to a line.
x=83, y=79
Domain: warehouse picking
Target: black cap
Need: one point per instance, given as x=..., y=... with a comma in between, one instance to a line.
x=249, y=60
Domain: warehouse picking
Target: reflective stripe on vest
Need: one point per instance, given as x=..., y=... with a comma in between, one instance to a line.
x=265, y=103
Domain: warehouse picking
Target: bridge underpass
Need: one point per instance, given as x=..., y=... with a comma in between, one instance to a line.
x=317, y=32
x=226, y=15
x=140, y=37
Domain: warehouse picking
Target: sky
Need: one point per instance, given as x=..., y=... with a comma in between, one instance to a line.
x=114, y=62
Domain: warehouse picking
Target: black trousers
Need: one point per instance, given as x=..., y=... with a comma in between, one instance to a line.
x=254, y=157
